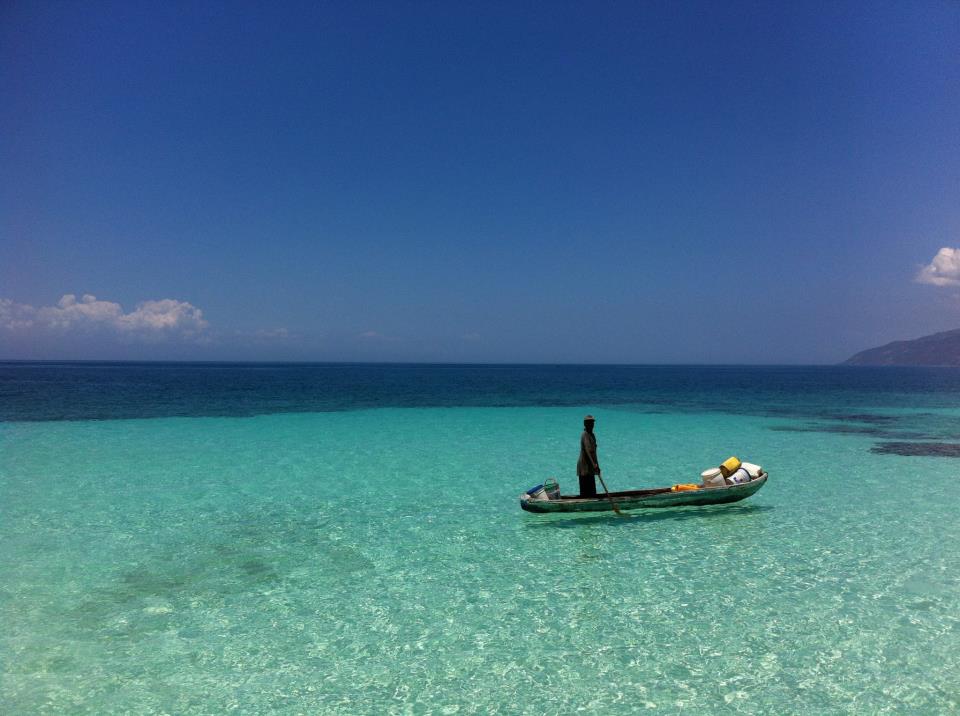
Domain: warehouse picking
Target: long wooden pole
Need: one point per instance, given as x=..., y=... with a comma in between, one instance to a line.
x=609, y=496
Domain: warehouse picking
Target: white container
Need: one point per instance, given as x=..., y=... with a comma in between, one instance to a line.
x=753, y=470
x=712, y=478
x=538, y=493
x=739, y=477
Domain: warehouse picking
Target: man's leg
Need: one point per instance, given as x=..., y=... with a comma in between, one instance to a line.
x=588, y=486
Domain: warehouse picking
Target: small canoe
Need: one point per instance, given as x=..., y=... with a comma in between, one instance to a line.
x=636, y=499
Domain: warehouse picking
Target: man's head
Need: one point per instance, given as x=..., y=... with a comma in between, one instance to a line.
x=588, y=422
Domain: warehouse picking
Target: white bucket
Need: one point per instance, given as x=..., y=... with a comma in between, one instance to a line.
x=753, y=470
x=739, y=477
x=712, y=478
x=537, y=493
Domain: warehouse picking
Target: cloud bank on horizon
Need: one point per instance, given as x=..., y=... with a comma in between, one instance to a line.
x=149, y=319
x=943, y=270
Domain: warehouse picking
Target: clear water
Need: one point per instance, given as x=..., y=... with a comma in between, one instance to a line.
x=265, y=540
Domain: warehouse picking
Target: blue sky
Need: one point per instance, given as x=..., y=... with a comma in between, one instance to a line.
x=548, y=182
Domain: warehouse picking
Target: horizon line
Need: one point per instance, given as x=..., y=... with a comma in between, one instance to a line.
x=103, y=361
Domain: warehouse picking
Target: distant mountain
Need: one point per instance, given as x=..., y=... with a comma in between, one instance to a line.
x=939, y=349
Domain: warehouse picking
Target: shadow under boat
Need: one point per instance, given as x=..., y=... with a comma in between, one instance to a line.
x=581, y=519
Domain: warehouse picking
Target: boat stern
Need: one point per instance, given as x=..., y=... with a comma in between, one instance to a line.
x=532, y=499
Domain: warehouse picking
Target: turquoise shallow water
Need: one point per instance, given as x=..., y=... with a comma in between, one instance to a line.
x=376, y=561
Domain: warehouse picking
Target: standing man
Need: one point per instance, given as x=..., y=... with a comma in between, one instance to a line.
x=587, y=465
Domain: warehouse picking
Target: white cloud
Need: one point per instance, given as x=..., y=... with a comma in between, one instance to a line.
x=272, y=333
x=69, y=312
x=164, y=315
x=15, y=316
x=372, y=338
x=150, y=318
x=944, y=270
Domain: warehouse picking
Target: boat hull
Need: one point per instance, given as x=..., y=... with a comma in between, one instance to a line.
x=641, y=499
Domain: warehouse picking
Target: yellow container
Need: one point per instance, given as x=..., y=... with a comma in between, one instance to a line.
x=684, y=488
x=729, y=466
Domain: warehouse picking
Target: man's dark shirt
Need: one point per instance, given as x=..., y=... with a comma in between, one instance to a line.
x=588, y=449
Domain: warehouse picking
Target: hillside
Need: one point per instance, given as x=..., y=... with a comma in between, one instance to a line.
x=940, y=349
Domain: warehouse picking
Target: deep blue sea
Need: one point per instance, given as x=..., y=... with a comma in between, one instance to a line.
x=346, y=539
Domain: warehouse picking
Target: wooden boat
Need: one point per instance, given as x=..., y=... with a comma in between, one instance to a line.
x=636, y=499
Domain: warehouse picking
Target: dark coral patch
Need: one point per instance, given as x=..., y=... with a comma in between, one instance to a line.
x=837, y=429
x=917, y=449
x=871, y=418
